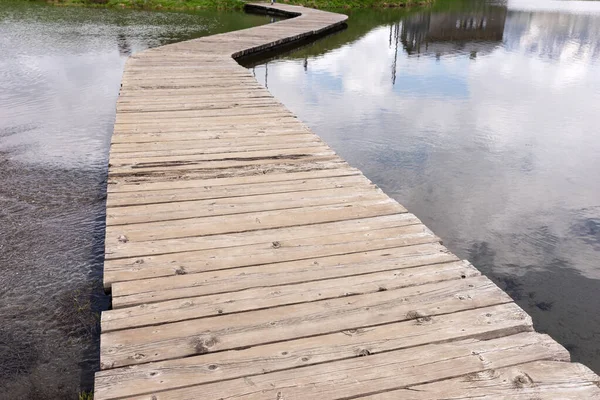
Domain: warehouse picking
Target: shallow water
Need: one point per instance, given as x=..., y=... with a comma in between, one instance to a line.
x=60, y=71
x=482, y=119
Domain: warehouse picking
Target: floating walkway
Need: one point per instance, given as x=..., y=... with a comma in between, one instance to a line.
x=248, y=261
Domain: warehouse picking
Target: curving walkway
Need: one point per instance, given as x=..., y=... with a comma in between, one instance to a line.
x=247, y=260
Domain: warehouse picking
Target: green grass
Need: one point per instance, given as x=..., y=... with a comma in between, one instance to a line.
x=86, y=396
x=175, y=5
x=237, y=4
x=357, y=4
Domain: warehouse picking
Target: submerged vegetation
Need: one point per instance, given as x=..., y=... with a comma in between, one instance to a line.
x=237, y=4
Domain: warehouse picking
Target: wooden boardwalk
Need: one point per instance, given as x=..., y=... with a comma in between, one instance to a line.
x=248, y=261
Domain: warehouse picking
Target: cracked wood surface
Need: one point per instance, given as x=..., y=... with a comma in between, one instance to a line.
x=247, y=260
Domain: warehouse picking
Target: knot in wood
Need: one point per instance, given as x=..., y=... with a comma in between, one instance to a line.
x=522, y=380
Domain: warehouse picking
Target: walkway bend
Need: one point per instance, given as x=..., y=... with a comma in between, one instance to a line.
x=248, y=261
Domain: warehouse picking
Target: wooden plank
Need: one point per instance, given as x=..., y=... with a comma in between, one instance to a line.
x=250, y=221
x=379, y=372
x=231, y=158
x=256, y=104
x=241, y=122
x=267, y=297
x=262, y=253
x=199, y=84
x=278, y=124
x=204, y=100
x=240, y=276
x=191, y=115
x=117, y=249
x=173, y=79
x=539, y=380
x=181, y=166
x=129, y=95
x=201, y=133
x=179, y=76
x=213, y=144
x=226, y=332
x=262, y=155
x=242, y=170
x=484, y=323
x=183, y=150
x=239, y=205
x=318, y=178
x=151, y=72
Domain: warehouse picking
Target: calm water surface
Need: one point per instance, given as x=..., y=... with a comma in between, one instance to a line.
x=483, y=119
x=60, y=70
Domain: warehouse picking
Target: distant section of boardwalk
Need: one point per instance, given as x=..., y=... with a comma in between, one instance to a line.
x=248, y=261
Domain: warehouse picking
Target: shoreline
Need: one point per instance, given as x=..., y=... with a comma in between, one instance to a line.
x=235, y=5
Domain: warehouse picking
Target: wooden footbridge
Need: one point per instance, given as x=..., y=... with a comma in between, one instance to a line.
x=248, y=261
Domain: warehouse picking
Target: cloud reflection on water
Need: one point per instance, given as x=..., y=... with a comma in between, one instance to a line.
x=483, y=122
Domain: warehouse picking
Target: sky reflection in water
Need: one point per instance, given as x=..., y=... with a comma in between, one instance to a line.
x=60, y=72
x=482, y=119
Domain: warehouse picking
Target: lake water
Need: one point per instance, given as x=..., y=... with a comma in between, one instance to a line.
x=480, y=118
x=483, y=119
x=60, y=71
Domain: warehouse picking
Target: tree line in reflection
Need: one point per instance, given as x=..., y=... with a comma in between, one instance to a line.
x=473, y=29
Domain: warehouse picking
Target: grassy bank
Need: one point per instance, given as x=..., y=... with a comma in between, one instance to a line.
x=236, y=4
x=358, y=4
x=175, y=5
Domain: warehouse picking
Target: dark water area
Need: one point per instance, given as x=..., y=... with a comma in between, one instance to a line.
x=483, y=119
x=60, y=72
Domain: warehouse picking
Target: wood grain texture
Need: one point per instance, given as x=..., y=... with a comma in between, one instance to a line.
x=272, y=296
x=379, y=372
x=135, y=292
x=265, y=253
x=539, y=380
x=223, y=332
x=484, y=323
x=247, y=260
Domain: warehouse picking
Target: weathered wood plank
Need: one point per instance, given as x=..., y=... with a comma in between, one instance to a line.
x=239, y=205
x=181, y=166
x=272, y=133
x=132, y=96
x=191, y=115
x=241, y=122
x=180, y=149
x=240, y=128
x=539, y=380
x=213, y=145
x=484, y=323
x=238, y=186
x=250, y=221
x=379, y=372
x=198, y=336
x=264, y=253
x=259, y=298
x=264, y=155
x=238, y=275
x=242, y=170
x=120, y=249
